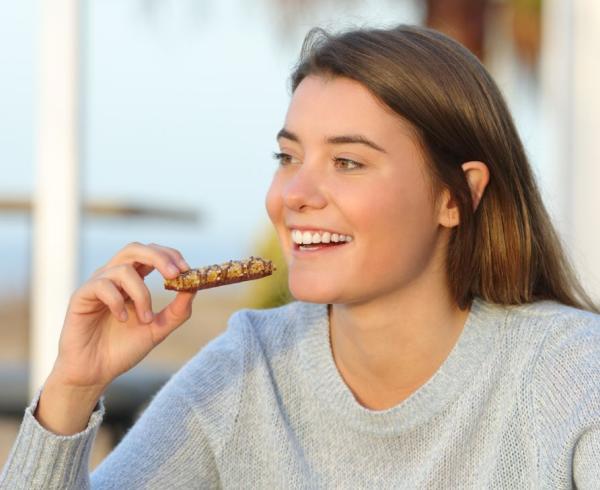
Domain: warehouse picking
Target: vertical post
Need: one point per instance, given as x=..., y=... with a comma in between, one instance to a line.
x=571, y=102
x=56, y=202
x=586, y=148
x=557, y=110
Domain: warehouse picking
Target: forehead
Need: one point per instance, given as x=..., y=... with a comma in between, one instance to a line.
x=341, y=105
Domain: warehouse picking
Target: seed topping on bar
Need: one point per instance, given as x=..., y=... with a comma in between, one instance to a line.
x=220, y=274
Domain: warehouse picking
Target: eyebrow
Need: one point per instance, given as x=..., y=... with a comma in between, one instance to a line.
x=335, y=140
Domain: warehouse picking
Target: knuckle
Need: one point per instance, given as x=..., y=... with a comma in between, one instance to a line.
x=106, y=287
x=166, y=251
x=132, y=247
x=124, y=270
x=177, y=253
x=159, y=254
x=103, y=282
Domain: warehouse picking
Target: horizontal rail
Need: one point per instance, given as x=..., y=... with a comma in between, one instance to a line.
x=113, y=209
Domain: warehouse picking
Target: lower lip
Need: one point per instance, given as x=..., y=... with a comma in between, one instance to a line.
x=316, y=249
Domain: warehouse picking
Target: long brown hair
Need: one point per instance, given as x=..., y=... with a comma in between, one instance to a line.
x=507, y=251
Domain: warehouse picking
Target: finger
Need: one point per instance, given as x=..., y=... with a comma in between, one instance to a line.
x=105, y=291
x=148, y=257
x=175, y=255
x=175, y=313
x=144, y=270
x=128, y=279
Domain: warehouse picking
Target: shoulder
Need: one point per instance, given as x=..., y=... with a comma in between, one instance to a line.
x=565, y=331
x=566, y=338
x=550, y=312
x=571, y=349
x=553, y=327
x=566, y=376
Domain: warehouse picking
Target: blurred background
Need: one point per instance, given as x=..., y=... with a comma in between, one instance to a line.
x=155, y=120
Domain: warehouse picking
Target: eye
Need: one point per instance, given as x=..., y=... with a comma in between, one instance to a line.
x=347, y=164
x=283, y=158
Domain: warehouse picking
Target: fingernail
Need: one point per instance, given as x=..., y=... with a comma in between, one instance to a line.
x=148, y=316
x=172, y=269
x=123, y=316
x=184, y=265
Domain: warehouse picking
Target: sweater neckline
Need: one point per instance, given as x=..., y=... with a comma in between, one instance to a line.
x=482, y=326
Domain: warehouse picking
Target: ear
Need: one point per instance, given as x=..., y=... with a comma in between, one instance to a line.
x=478, y=176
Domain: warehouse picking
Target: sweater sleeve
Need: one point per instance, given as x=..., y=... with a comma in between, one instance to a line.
x=175, y=443
x=166, y=448
x=567, y=399
x=40, y=459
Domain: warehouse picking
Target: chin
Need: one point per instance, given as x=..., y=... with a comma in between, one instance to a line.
x=309, y=293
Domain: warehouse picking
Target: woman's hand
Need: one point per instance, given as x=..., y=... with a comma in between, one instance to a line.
x=110, y=327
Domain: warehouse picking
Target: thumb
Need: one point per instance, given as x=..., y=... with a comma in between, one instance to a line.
x=174, y=314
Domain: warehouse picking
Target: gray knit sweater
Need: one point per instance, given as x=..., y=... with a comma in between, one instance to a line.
x=515, y=405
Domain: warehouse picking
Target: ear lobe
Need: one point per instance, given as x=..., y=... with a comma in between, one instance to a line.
x=449, y=215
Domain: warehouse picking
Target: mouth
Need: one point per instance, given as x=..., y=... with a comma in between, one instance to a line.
x=313, y=240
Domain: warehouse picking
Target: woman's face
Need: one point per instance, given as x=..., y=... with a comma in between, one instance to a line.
x=351, y=167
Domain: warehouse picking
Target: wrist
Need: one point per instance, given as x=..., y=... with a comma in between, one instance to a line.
x=65, y=409
x=69, y=389
x=85, y=396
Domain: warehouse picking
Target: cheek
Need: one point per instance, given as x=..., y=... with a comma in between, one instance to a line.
x=403, y=216
x=392, y=205
x=273, y=201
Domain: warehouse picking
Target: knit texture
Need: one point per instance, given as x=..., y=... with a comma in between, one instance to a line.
x=515, y=405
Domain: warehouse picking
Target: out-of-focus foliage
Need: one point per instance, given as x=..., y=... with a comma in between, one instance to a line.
x=271, y=291
x=527, y=29
x=468, y=21
x=463, y=20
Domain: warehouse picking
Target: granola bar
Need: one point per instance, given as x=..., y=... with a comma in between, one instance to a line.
x=220, y=274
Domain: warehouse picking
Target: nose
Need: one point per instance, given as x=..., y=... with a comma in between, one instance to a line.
x=304, y=190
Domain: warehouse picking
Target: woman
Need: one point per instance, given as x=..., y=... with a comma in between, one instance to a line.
x=440, y=339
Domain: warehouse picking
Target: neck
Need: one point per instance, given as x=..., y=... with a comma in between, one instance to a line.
x=387, y=348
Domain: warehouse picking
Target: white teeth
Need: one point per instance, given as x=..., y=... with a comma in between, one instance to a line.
x=310, y=237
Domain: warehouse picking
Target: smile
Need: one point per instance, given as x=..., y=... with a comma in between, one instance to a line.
x=307, y=237
x=318, y=241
